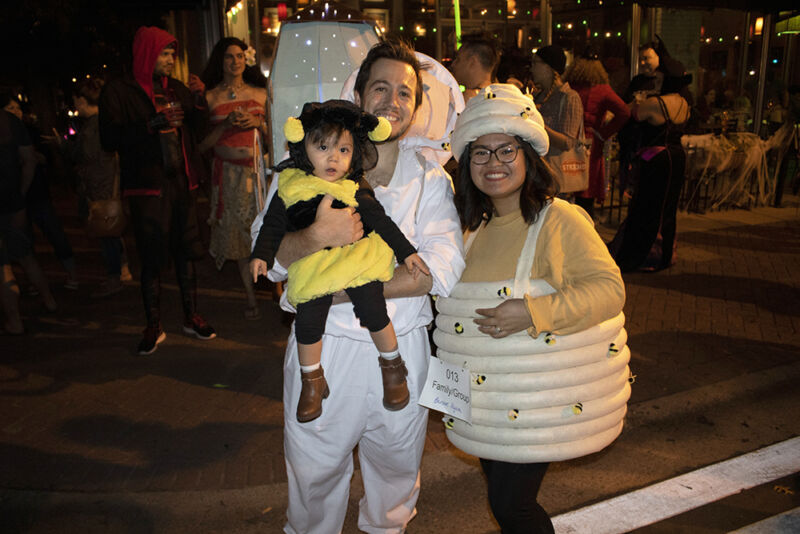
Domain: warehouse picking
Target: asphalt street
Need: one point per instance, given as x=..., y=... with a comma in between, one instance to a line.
x=94, y=438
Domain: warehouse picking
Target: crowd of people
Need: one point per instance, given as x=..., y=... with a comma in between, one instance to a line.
x=362, y=222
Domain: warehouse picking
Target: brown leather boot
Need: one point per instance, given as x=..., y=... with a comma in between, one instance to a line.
x=314, y=389
x=395, y=389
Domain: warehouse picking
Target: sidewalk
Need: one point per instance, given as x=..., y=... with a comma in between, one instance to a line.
x=86, y=420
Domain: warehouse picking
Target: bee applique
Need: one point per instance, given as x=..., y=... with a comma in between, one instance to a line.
x=549, y=339
x=504, y=291
x=577, y=408
x=490, y=95
x=446, y=146
x=612, y=350
x=513, y=414
x=480, y=379
x=459, y=328
x=449, y=423
x=524, y=114
x=631, y=378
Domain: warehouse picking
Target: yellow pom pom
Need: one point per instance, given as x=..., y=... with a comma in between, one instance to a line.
x=382, y=131
x=293, y=130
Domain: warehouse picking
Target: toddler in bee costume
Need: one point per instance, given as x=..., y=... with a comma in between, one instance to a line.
x=330, y=148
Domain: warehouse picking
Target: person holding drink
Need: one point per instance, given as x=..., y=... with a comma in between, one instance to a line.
x=149, y=119
x=236, y=96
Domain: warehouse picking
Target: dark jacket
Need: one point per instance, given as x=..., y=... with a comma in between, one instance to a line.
x=126, y=107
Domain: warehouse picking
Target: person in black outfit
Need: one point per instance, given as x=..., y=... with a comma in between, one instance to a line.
x=148, y=118
x=17, y=165
x=646, y=239
x=330, y=147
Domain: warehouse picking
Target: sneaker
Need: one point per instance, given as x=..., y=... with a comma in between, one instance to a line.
x=153, y=335
x=198, y=327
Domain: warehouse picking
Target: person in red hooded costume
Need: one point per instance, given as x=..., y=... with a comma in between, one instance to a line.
x=149, y=119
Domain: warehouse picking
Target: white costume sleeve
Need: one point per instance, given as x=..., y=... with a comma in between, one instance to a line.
x=441, y=245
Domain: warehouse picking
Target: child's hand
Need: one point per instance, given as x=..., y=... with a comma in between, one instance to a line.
x=415, y=265
x=258, y=268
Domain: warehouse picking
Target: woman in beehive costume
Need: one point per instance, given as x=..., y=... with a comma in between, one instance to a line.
x=537, y=316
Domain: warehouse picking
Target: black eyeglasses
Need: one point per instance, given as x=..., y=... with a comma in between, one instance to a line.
x=504, y=154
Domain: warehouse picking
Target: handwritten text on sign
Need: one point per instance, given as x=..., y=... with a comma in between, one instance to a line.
x=447, y=390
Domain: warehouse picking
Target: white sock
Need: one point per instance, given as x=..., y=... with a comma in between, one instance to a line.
x=309, y=368
x=390, y=355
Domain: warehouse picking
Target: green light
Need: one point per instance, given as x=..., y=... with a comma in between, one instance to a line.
x=619, y=34
x=720, y=39
x=401, y=28
x=434, y=30
x=462, y=88
x=457, y=15
x=528, y=12
x=595, y=34
x=499, y=11
x=558, y=26
x=584, y=23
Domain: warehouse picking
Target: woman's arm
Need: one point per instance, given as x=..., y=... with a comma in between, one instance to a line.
x=571, y=256
x=614, y=104
x=569, y=124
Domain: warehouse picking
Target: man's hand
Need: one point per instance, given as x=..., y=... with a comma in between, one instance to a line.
x=332, y=228
x=257, y=268
x=196, y=85
x=415, y=265
x=336, y=227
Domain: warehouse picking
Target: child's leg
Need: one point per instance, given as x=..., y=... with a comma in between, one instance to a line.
x=309, y=327
x=370, y=308
x=309, y=355
x=385, y=340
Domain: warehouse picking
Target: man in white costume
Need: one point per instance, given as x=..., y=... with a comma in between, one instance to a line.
x=417, y=194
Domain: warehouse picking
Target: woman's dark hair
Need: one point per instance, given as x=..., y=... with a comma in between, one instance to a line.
x=90, y=90
x=328, y=119
x=474, y=206
x=212, y=75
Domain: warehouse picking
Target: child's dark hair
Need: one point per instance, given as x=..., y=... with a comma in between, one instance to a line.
x=329, y=119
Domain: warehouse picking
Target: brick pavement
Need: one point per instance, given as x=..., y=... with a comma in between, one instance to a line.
x=82, y=413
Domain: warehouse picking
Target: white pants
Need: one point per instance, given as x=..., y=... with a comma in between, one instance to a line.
x=319, y=454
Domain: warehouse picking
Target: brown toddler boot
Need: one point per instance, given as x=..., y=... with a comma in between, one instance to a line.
x=314, y=389
x=395, y=389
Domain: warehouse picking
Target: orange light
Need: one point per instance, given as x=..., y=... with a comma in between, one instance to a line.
x=759, y=25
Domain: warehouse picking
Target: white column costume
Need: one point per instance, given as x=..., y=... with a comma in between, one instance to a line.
x=319, y=454
x=319, y=458
x=543, y=399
